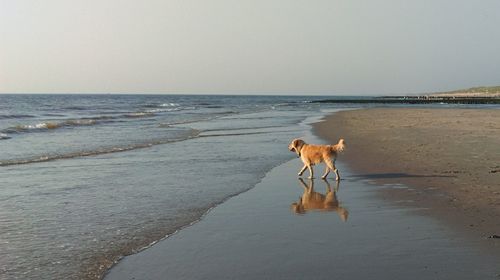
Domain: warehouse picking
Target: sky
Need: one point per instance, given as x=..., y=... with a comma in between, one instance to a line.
x=320, y=47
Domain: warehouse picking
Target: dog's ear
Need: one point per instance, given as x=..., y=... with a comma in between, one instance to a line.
x=296, y=146
x=298, y=143
x=298, y=208
x=291, y=146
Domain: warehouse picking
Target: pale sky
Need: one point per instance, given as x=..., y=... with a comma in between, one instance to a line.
x=333, y=47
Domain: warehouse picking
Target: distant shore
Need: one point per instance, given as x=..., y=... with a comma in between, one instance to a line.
x=491, y=92
x=417, y=99
x=475, y=95
x=450, y=155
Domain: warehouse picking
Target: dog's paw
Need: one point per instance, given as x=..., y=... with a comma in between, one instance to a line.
x=300, y=174
x=323, y=177
x=310, y=177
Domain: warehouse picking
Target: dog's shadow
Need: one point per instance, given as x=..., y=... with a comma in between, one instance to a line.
x=312, y=200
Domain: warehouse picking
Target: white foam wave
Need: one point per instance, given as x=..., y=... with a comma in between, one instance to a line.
x=192, y=133
x=163, y=110
x=139, y=114
x=4, y=136
x=15, y=116
x=43, y=125
x=50, y=125
x=81, y=122
x=170, y=105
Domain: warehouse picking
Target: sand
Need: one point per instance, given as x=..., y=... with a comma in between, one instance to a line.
x=451, y=157
x=257, y=235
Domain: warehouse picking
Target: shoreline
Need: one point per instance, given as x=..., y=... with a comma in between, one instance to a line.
x=257, y=235
x=447, y=155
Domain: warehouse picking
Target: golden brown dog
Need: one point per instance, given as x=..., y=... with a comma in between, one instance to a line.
x=312, y=200
x=314, y=154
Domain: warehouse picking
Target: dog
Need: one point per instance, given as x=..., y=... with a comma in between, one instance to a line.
x=312, y=200
x=314, y=154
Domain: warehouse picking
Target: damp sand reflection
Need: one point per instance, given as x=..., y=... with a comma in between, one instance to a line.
x=316, y=201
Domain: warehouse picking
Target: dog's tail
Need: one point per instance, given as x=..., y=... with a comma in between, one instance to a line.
x=339, y=147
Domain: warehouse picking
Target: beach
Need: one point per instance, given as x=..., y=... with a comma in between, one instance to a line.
x=363, y=234
x=260, y=235
x=451, y=157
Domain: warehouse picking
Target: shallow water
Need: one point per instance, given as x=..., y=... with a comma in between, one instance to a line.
x=87, y=179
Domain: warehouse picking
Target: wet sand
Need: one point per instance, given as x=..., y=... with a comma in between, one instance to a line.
x=354, y=235
x=450, y=156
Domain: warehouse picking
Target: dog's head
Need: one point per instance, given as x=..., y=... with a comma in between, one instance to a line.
x=343, y=214
x=296, y=146
x=298, y=207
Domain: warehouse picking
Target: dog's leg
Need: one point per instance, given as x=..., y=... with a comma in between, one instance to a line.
x=303, y=184
x=336, y=173
x=311, y=172
x=302, y=170
x=327, y=170
x=331, y=164
x=328, y=186
x=310, y=189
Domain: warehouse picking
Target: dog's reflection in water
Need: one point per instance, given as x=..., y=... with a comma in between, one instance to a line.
x=312, y=200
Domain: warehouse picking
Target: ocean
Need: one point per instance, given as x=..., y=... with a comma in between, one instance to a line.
x=87, y=179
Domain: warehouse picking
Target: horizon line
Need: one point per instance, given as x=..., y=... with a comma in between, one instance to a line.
x=215, y=94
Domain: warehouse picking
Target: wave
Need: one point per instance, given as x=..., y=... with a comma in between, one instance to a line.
x=89, y=121
x=170, y=105
x=242, y=128
x=160, y=110
x=237, y=134
x=42, y=125
x=4, y=136
x=214, y=106
x=156, y=105
x=76, y=108
x=139, y=115
x=106, y=150
x=53, y=115
x=16, y=116
x=51, y=125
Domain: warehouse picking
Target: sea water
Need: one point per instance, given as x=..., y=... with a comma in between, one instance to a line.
x=87, y=179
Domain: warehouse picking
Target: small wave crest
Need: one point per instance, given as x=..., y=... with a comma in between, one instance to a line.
x=42, y=125
x=166, y=107
x=170, y=105
x=4, y=136
x=162, y=105
x=15, y=116
x=160, y=110
x=76, y=108
x=139, y=114
x=50, y=125
x=193, y=133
